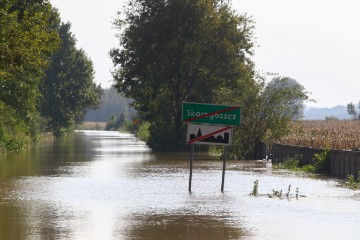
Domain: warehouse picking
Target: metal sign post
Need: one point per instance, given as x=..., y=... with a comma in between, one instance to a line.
x=223, y=171
x=191, y=165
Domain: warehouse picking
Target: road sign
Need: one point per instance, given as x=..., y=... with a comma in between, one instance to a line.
x=198, y=116
x=211, y=114
x=209, y=134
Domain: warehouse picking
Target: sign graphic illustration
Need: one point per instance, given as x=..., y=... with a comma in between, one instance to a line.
x=209, y=134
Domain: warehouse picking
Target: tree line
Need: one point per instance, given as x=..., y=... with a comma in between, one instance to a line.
x=46, y=82
x=198, y=51
x=113, y=105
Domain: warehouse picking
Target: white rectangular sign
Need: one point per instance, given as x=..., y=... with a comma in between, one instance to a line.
x=209, y=134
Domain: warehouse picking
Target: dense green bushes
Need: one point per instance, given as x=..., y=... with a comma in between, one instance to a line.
x=320, y=164
x=14, y=132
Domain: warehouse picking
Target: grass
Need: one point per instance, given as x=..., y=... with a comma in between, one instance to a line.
x=92, y=126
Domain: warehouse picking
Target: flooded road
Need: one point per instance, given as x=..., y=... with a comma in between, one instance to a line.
x=107, y=185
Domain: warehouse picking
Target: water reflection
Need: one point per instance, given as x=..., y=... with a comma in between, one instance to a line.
x=107, y=185
x=194, y=227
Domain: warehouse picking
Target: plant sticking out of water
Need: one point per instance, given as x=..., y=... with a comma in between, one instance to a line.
x=255, y=188
x=297, y=192
x=275, y=193
x=352, y=183
x=288, y=192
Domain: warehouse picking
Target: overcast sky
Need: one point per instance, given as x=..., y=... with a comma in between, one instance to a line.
x=314, y=42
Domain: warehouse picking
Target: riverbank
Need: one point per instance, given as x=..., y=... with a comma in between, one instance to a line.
x=92, y=126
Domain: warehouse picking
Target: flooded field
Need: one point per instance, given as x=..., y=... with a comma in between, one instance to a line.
x=108, y=185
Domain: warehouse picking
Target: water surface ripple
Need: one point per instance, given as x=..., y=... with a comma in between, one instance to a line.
x=109, y=185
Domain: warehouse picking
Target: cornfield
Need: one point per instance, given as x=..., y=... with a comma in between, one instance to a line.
x=340, y=135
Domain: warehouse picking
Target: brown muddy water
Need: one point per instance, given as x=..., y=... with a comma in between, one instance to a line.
x=107, y=185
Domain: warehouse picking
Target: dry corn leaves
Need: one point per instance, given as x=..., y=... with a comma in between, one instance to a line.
x=342, y=135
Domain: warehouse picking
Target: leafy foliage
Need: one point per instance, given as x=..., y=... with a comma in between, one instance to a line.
x=267, y=111
x=320, y=164
x=116, y=122
x=351, y=108
x=14, y=133
x=292, y=164
x=26, y=43
x=68, y=88
x=27, y=47
x=352, y=183
x=175, y=51
x=27, y=40
x=255, y=190
x=143, y=133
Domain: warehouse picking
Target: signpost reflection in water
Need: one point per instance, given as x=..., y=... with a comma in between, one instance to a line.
x=107, y=185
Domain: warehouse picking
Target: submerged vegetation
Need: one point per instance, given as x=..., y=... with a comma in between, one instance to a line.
x=275, y=193
x=352, y=183
x=319, y=165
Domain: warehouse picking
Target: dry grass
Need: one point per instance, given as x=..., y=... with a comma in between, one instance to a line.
x=92, y=126
x=342, y=135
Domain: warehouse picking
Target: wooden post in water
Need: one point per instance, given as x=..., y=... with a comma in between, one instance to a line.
x=223, y=171
x=191, y=165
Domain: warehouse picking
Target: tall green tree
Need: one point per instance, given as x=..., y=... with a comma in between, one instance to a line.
x=26, y=44
x=27, y=40
x=178, y=50
x=68, y=88
x=267, y=111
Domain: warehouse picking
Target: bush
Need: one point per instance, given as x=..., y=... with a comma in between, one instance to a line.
x=116, y=122
x=322, y=162
x=292, y=164
x=14, y=132
x=352, y=183
x=143, y=132
x=320, y=165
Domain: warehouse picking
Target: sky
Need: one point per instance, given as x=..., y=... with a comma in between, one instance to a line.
x=313, y=42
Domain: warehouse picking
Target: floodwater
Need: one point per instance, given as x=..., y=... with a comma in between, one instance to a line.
x=108, y=185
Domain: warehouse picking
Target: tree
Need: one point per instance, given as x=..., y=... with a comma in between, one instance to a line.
x=295, y=103
x=351, y=108
x=27, y=40
x=68, y=88
x=116, y=122
x=178, y=50
x=267, y=111
x=26, y=44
